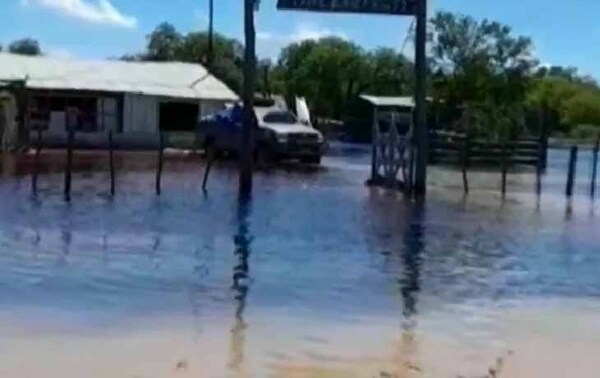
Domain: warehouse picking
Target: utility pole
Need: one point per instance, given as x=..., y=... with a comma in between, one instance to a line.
x=421, y=133
x=249, y=122
x=209, y=60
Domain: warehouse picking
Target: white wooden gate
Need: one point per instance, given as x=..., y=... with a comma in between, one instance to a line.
x=392, y=133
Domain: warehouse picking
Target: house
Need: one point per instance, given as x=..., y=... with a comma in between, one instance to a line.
x=135, y=100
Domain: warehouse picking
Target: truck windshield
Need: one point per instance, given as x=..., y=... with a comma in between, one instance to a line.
x=280, y=117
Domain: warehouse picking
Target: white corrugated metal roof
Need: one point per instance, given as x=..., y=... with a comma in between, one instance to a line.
x=181, y=80
x=408, y=102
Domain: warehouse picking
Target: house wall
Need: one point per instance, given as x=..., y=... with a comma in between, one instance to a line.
x=134, y=119
x=140, y=114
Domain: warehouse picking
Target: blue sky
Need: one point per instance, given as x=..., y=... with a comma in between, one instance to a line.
x=565, y=32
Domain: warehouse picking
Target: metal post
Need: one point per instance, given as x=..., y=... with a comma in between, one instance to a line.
x=248, y=128
x=595, y=166
x=111, y=162
x=571, y=173
x=420, y=181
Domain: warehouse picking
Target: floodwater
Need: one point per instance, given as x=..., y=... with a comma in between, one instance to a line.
x=316, y=276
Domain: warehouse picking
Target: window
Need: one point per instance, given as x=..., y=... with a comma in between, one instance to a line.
x=280, y=117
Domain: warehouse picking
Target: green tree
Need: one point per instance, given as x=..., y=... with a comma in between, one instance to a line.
x=391, y=73
x=566, y=101
x=165, y=43
x=480, y=65
x=25, y=46
x=328, y=72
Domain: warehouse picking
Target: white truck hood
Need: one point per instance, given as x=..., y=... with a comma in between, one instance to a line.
x=290, y=129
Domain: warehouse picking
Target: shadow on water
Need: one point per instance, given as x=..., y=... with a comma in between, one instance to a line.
x=241, y=284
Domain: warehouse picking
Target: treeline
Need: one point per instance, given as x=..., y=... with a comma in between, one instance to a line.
x=483, y=79
x=25, y=46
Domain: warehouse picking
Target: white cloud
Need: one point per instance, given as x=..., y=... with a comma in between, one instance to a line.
x=269, y=44
x=94, y=11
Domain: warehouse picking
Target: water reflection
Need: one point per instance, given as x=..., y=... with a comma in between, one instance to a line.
x=241, y=284
x=410, y=285
x=412, y=259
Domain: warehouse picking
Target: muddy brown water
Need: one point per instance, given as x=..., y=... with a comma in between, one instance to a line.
x=316, y=276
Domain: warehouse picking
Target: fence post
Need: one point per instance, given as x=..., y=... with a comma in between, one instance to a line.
x=540, y=167
x=111, y=162
x=543, y=141
x=465, y=163
x=69, y=164
x=160, y=162
x=504, y=166
x=571, y=173
x=211, y=158
x=595, y=166
x=36, y=161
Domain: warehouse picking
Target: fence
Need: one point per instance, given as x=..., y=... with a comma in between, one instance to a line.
x=449, y=148
x=456, y=149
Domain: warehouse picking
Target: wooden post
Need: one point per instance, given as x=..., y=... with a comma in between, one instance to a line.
x=249, y=124
x=465, y=163
x=595, y=166
x=571, y=173
x=211, y=158
x=374, y=144
x=209, y=60
x=69, y=164
x=36, y=161
x=160, y=162
x=542, y=159
x=111, y=162
x=504, y=167
x=421, y=134
x=543, y=141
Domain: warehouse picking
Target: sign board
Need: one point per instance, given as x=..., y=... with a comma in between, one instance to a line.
x=393, y=7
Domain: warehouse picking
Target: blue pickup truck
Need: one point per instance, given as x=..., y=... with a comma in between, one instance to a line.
x=279, y=136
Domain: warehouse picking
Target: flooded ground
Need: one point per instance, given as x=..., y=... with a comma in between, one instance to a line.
x=318, y=276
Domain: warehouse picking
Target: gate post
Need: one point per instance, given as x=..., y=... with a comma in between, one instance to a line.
x=420, y=142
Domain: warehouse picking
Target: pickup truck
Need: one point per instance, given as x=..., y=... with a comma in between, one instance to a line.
x=279, y=136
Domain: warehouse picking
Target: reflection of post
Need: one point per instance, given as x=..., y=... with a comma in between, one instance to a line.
x=66, y=237
x=240, y=287
x=412, y=259
x=410, y=286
